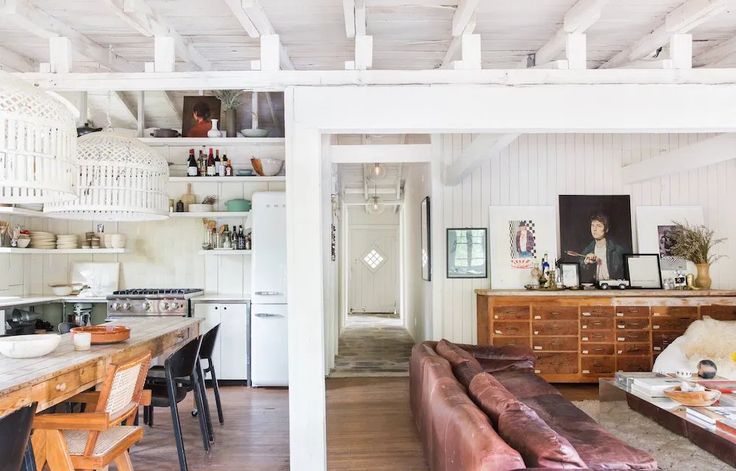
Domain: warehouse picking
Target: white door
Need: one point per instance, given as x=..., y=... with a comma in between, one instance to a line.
x=269, y=348
x=374, y=268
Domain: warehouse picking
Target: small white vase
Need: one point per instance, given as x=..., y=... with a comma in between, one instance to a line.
x=214, y=132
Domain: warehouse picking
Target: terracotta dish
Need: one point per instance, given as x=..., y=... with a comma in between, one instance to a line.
x=102, y=334
x=693, y=398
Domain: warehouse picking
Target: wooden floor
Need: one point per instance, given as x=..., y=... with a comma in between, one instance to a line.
x=369, y=426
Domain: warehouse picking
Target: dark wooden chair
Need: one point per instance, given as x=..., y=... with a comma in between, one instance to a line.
x=181, y=375
x=205, y=353
x=15, y=431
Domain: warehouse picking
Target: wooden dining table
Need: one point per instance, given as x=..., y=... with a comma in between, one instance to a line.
x=63, y=373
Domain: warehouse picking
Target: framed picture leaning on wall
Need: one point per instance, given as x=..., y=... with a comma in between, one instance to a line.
x=654, y=225
x=643, y=271
x=426, y=242
x=467, y=255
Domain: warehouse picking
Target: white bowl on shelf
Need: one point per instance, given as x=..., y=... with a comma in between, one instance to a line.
x=255, y=132
x=118, y=241
x=61, y=290
x=200, y=208
x=29, y=346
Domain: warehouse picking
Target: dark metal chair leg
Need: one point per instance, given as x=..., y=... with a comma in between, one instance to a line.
x=177, y=424
x=216, y=387
x=205, y=401
x=29, y=462
x=200, y=407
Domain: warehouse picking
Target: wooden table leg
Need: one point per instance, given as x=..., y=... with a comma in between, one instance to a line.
x=56, y=452
x=38, y=442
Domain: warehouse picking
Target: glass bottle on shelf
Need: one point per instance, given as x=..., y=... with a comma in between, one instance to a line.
x=211, y=164
x=202, y=164
x=223, y=166
x=241, y=238
x=192, y=168
x=226, y=238
x=218, y=162
x=229, y=168
x=248, y=242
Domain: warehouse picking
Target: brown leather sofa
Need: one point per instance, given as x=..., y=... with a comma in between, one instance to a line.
x=484, y=409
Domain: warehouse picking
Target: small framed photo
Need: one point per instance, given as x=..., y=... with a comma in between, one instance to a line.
x=467, y=254
x=570, y=275
x=426, y=240
x=643, y=271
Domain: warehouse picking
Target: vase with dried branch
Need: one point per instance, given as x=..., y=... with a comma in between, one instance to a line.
x=696, y=243
x=231, y=100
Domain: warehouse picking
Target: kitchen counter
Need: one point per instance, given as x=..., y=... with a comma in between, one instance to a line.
x=13, y=301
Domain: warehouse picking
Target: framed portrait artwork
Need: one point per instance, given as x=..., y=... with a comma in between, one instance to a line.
x=595, y=232
x=653, y=227
x=643, y=271
x=518, y=236
x=570, y=275
x=198, y=113
x=426, y=242
x=466, y=253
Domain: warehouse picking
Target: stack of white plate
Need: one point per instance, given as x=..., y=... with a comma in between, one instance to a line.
x=67, y=241
x=43, y=240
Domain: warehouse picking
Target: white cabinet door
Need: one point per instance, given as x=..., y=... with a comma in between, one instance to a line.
x=233, y=338
x=212, y=315
x=269, y=345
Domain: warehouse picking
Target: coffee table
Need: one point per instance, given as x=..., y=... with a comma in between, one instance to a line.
x=672, y=416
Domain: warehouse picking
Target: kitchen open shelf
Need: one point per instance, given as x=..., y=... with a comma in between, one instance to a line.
x=21, y=212
x=29, y=251
x=219, y=141
x=255, y=179
x=213, y=214
x=225, y=252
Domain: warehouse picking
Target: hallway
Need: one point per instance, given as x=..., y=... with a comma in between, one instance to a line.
x=373, y=345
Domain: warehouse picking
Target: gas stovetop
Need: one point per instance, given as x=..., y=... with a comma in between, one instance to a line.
x=150, y=302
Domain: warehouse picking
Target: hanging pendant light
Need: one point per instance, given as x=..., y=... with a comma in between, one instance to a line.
x=374, y=205
x=377, y=171
x=120, y=179
x=38, y=142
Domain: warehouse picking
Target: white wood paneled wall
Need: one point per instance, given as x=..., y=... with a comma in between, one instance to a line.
x=537, y=168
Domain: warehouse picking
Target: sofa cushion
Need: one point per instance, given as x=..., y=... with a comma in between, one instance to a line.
x=524, y=383
x=491, y=396
x=464, y=365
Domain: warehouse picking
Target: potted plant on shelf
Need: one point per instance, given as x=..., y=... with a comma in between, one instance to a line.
x=230, y=100
x=696, y=243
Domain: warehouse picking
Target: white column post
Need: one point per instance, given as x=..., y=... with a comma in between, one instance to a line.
x=576, y=51
x=270, y=52
x=363, y=52
x=470, y=52
x=681, y=51
x=60, y=54
x=164, y=53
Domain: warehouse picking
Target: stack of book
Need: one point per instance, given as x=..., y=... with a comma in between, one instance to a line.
x=625, y=379
x=653, y=387
x=723, y=418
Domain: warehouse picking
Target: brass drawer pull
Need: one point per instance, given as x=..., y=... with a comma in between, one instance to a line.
x=585, y=339
x=587, y=372
x=621, y=339
x=537, y=347
x=585, y=352
x=655, y=327
x=537, y=317
x=586, y=314
x=619, y=314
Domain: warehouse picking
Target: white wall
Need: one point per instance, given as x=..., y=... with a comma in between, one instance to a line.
x=536, y=168
x=417, y=292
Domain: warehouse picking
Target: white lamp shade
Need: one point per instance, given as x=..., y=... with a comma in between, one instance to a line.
x=374, y=205
x=38, y=142
x=120, y=179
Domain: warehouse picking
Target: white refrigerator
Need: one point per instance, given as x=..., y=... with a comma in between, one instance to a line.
x=269, y=333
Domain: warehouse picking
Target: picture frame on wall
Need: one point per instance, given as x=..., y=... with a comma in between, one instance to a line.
x=519, y=235
x=198, y=124
x=643, y=271
x=425, y=255
x=570, y=275
x=467, y=254
x=653, y=226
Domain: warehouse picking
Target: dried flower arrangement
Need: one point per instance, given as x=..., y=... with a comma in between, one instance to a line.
x=695, y=243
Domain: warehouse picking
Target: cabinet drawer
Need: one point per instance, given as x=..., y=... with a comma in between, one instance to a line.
x=555, y=344
x=596, y=323
x=516, y=329
x=596, y=311
x=632, y=336
x=674, y=324
x=597, y=349
x=511, y=342
x=551, y=313
x=555, y=328
x=597, y=336
x=67, y=384
x=632, y=311
x=597, y=365
x=511, y=313
x=556, y=363
x=721, y=312
x=633, y=364
x=675, y=311
x=632, y=324
x=660, y=340
x=633, y=349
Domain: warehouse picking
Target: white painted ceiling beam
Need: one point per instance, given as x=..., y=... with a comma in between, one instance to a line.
x=11, y=61
x=682, y=20
x=254, y=21
x=577, y=20
x=60, y=54
x=37, y=22
x=381, y=153
x=701, y=154
x=361, y=21
x=348, y=10
x=717, y=55
x=463, y=23
x=483, y=148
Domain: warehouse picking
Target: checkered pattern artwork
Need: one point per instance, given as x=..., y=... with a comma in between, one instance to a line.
x=522, y=243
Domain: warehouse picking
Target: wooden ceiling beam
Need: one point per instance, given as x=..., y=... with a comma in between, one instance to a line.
x=577, y=20
x=463, y=24
x=348, y=10
x=14, y=62
x=483, y=148
x=39, y=23
x=682, y=20
x=254, y=21
x=717, y=55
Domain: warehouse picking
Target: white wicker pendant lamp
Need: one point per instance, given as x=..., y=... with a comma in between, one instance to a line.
x=120, y=179
x=38, y=140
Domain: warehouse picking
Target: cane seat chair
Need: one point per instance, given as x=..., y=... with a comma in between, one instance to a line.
x=93, y=440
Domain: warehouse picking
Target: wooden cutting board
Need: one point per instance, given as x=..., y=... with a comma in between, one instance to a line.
x=188, y=197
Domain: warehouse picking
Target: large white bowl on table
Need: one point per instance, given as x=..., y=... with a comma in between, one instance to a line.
x=29, y=346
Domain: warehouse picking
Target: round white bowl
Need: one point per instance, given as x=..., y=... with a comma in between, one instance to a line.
x=200, y=208
x=61, y=290
x=270, y=167
x=24, y=242
x=255, y=132
x=29, y=346
x=118, y=241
